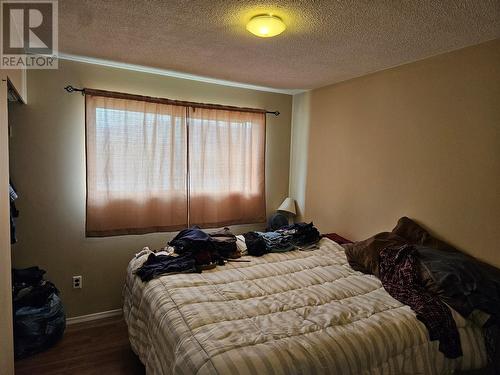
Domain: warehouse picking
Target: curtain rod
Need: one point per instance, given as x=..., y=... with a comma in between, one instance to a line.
x=121, y=95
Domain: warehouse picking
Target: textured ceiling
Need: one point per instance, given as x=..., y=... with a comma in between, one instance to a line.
x=326, y=41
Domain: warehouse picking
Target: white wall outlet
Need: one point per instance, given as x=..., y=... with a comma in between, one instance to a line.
x=77, y=282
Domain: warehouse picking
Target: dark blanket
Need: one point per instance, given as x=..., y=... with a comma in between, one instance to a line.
x=401, y=277
x=461, y=281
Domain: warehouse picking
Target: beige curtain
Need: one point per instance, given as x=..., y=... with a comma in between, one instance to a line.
x=136, y=166
x=226, y=167
x=159, y=167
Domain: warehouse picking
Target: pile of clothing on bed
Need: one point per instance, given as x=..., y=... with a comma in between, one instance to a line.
x=194, y=250
x=300, y=236
x=431, y=276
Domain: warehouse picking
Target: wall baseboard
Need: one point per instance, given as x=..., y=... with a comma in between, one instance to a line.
x=95, y=316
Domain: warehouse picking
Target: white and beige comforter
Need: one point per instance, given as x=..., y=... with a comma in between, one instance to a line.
x=289, y=313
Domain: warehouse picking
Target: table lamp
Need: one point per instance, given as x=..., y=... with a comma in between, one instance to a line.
x=282, y=217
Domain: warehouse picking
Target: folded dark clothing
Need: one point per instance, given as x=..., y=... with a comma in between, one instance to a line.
x=306, y=240
x=303, y=234
x=256, y=245
x=28, y=276
x=191, y=240
x=277, y=242
x=157, y=265
x=36, y=296
x=224, y=243
x=400, y=276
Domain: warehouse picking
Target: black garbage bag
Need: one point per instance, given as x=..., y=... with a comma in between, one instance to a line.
x=38, y=328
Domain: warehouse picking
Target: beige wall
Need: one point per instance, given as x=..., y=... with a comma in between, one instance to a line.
x=299, y=151
x=48, y=167
x=421, y=140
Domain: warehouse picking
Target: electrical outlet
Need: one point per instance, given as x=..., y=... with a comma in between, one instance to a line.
x=77, y=282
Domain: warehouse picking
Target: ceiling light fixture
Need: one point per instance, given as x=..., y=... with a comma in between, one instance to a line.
x=266, y=25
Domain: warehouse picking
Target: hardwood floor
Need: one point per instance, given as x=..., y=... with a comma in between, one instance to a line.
x=100, y=347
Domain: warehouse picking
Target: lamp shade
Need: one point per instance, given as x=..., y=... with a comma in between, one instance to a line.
x=288, y=205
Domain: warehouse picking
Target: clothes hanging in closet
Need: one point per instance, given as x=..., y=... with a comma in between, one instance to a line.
x=13, y=213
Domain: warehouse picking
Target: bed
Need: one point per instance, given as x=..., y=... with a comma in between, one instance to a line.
x=300, y=312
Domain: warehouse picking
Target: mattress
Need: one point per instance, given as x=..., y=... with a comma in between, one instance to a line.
x=301, y=312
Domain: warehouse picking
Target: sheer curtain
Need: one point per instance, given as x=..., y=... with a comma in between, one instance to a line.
x=154, y=166
x=136, y=166
x=226, y=167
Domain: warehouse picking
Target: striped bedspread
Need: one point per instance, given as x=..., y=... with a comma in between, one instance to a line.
x=289, y=313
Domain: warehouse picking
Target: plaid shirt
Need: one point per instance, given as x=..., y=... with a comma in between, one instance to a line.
x=400, y=277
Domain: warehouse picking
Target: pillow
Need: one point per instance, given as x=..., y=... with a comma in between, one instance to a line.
x=363, y=256
x=416, y=235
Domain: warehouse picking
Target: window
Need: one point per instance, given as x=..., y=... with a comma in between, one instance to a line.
x=158, y=167
x=226, y=167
